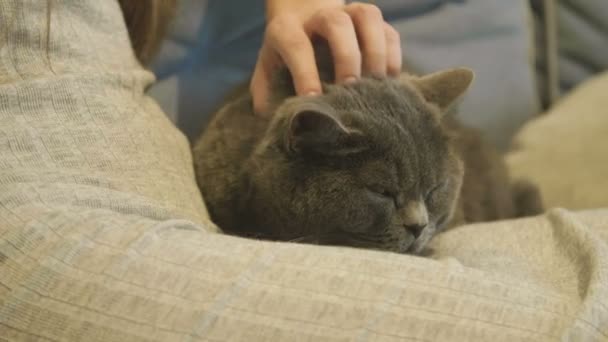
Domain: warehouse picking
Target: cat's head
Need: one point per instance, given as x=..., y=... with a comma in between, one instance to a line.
x=368, y=164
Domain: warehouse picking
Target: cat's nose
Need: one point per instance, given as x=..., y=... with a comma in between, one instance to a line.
x=415, y=217
x=415, y=229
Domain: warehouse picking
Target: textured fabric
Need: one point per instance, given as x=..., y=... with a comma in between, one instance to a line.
x=104, y=237
x=565, y=152
x=205, y=59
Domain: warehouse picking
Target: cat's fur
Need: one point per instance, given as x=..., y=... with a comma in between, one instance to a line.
x=375, y=164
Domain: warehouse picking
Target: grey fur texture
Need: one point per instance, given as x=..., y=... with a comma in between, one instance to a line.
x=375, y=164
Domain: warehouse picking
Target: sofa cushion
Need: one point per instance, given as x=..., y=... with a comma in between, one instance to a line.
x=565, y=151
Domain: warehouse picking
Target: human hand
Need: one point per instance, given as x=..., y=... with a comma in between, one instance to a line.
x=359, y=38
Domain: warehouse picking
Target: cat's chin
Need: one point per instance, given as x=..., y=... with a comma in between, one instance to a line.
x=422, y=241
x=417, y=247
x=400, y=241
x=404, y=243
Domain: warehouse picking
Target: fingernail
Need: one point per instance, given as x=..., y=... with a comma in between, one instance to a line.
x=350, y=80
x=312, y=93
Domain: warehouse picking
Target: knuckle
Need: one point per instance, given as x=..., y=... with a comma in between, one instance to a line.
x=347, y=56
x=279, y=34
x=333, y=17
x=293, y=44
x=347, y=63
x=375, y=57
x=346, y=60
x=279, y=25
x=274, y=26
x=366, y=11
x=392, y=35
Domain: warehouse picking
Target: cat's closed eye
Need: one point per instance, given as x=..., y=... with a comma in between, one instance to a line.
x=382, y=192
x=441, y=185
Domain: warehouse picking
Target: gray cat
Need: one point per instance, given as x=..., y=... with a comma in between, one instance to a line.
x=377, y=164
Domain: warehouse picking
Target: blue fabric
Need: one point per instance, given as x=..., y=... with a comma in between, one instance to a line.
x=222, y=55
x=490, y=36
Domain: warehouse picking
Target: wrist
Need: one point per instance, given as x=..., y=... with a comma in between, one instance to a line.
x=302, y=8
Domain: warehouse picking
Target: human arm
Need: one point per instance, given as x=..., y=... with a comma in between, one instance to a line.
x=104, y=237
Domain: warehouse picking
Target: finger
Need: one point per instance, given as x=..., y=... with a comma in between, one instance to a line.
x=293, y=45
x=336, y=27
x=394, y=56
x=260, y=86
x=369, y=26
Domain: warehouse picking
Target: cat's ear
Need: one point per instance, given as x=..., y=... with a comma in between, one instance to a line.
x=444, y=88
x=319, y=130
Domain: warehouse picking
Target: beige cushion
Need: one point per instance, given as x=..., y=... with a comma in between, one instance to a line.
x=565, y=151
x=104, y=237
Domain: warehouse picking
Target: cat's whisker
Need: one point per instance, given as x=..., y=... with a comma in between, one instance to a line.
x=303, y=239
